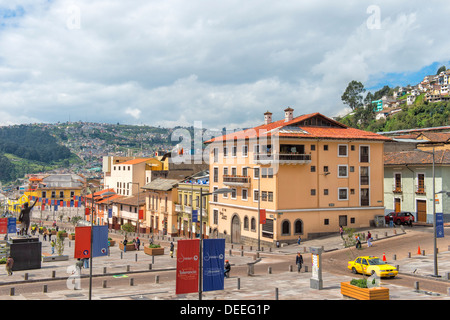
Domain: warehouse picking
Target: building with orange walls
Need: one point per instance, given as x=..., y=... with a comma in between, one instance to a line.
x=310, y=173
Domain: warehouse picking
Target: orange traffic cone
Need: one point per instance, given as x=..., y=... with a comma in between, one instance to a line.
x=418, y=251
x=384, y=257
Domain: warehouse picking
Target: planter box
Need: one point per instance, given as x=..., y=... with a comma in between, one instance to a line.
x=71, y=236
x=64, y=235
x=154, y=251
x=112, y=243
x=130, y=247
x=351, y=291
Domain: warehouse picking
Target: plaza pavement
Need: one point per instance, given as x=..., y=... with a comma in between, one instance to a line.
x=284, y=286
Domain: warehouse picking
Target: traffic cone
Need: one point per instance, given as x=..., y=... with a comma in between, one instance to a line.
x=418, y=251
x=384, y=257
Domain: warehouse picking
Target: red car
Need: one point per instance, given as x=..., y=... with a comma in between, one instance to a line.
x=402, y=217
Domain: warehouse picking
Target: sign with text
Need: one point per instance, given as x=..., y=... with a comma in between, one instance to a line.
x=187, y=266
x=213, y=264
x=439, y=225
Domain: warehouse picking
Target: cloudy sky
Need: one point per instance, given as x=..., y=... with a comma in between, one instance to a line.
x=223, y=63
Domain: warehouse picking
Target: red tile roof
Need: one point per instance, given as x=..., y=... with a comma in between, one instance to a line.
x=337, y=131
x=416, y=157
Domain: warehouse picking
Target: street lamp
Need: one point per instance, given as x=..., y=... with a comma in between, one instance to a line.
x=259, y=204
x=218, y=191
x=434, y=214
x=137, y=223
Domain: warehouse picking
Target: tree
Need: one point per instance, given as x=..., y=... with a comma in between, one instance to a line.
x=353, y=95
x=441, y=69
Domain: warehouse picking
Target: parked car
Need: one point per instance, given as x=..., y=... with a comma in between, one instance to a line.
x=370, y=265
x=401, y=217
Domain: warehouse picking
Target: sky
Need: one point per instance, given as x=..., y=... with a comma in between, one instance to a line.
x=219, y=63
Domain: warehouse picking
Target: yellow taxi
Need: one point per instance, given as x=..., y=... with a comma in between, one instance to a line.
x=370, y=265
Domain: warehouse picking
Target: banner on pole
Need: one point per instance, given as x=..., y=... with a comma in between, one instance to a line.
x=213, y=264
x=439, y=225
x=12, y=225
x=141, y=214
x=83, y=242
x=194, y=215
x=262, y=216
x=3, y=225
x=187, y=266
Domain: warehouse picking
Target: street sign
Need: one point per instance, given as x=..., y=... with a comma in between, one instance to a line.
x=439, y=225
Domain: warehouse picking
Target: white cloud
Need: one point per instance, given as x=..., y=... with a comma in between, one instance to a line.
x=223, y=63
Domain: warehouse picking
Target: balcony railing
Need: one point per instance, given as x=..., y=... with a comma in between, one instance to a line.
x=420, y=189
x=238, y=181
x=282, y=158
x=178, y=208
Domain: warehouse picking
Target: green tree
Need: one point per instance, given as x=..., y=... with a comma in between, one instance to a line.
x=353, y=94
x=441, y=69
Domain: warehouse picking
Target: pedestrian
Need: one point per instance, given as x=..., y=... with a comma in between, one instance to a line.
x=45, y=235
x=125, y=241
x=369, y=239
x=358, y=242
x=341, y=232
x=299, y=261
x=137, y=243
x=52, y=244
x=86, y=263
x=391, y=221
x=9, y=265
x=78, y=265
x=227, y=269
x=49, y=236
x=171, y=249
x=299, y=240
x=151, y=240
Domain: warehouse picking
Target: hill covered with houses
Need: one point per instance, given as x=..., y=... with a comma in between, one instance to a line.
x=425, y=104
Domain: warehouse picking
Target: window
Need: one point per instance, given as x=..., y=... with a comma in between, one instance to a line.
x=216, y=174
x=352, y=191
x=216, y=154
x=352, y=169
x=256, y=173
x=233, y=193
x=253, y=224
x=313, y=147
x=364, y=196
x=255, y=195
x=225, y=171
x=245, y=223
x=270, y=196
x=215, y=196
x=325, y=169
x=244, y=194
x=342, y=171
x=270, y=172
x=245, y=171
x=342, y=150
x=285, y=226
x=325, y=192
x=129, y=168
x=245, y=151
x=61, y=194
x=326, y=222
x=264, y=196
x=325, y=147
x=343, y=194
x=233, y=171
x=225, y=152
x=364, y=154
x=313, y=168
x=352, y=147
x=298, y=227
x=313, y=192
x=216, y=216
x=364, y=175
x=263, y=172
x=353, y=220
x=233, y=151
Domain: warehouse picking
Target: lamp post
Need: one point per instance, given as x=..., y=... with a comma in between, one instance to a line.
x=259, y=204
x=218, y=191
x=434, y=214
x=137, y=223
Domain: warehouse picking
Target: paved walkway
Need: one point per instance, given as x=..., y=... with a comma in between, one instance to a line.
x=289, y=285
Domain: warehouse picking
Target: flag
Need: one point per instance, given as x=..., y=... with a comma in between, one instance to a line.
x=83, y=242
x=109, y=213
x=213, y=264
x=141, y=214
x=262, y=216
x=187, y=266
x=87, y=212
x=3, y=225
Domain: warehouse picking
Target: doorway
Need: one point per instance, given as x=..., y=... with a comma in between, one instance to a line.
x=235, y=230
x=421, y=210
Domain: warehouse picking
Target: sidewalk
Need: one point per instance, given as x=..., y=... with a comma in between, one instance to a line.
x=290, y=285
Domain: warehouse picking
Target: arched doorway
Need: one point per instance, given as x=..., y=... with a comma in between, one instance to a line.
x=235, y=229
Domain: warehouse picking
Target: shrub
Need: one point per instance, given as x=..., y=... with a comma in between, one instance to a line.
x=154, y=246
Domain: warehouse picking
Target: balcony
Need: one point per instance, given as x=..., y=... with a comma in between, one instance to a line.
x=188, y=209
x=420, y=189
x=397, y=188
x=282, y=158
x=178, y=208
x=236, y=181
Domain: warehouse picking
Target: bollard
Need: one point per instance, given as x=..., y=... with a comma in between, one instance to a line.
x=150, y=266
x=12, y=291
x=257, y=255
x=416, y=285
x=276, y=293
x=251, y=248
x=239, y=283
x=156, y=279
x=423, y=252
x=153, y=259
x=242, y=253
x=409, y=254
x=395, y=257
x=269, y=270
x=135, y=258
x=448, y=291
x=104, y=283
x=395, y=231
x=230, y=253
x=121, y=254
x=131, y=282
x=290, y=268
x=385, y=234
x=128, y=267
x=45, y=289
x=104, y=270
x=53, y=274
x=25, y=276
x=447, y=276
x=397, y=267
x=306, y=268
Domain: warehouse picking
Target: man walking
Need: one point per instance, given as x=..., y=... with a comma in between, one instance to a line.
x=299, y=261
x=9, y=265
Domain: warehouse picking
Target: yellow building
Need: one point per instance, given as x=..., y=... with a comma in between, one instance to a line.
x=311, y=174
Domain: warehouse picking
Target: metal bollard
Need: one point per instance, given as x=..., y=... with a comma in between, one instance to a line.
x=128, y=268
x=395, y=257
x=447, y=275
x=121, y=254
x=45, y=289
x=25, y=276
x=242, y=253
x=306, y=268
x=409, y=254
x=156, y=279
x=104, y=283
x=12, y=291
x=239, y=283
x=131, y=282
x=423, y=252
x=150, y=266
x=153, y=259
x=135, y=258
x=53, y=274
x=290, y=268
x=104, y=270
x=276, y=293
x=269, y=270
x=416, y=285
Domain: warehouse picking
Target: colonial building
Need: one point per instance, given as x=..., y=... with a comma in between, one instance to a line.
x=310, y=173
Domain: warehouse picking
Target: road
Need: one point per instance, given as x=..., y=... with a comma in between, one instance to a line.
x=334, y=262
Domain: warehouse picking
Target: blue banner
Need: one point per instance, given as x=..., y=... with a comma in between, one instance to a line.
x=439, y=225
x=194, y=215
x=12, y=228
x=213, y=264
x=109, y=213
x=99, y=241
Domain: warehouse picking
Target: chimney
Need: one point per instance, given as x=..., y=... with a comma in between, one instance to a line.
x=267, y=117
x=288, y=114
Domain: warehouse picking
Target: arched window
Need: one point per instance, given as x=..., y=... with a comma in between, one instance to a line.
x=253, y=224
x=298, y=226
x=246, y=223
x=285, y=227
